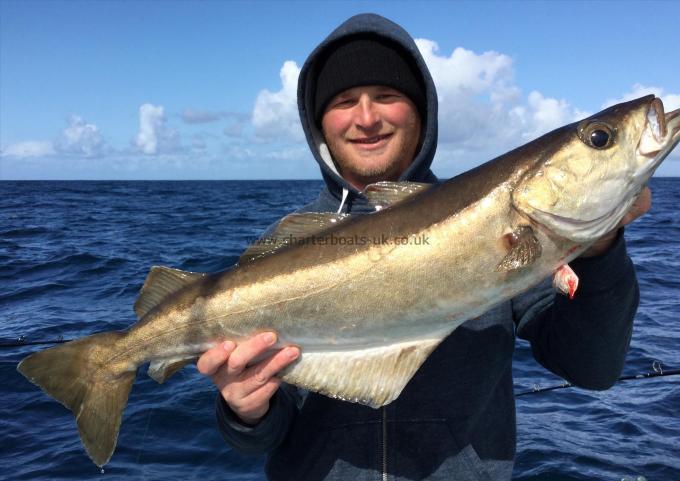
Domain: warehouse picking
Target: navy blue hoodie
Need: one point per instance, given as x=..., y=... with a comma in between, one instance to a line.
x=456, y=417
x=419, y=170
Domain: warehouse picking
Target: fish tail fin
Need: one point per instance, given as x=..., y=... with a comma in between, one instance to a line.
x=85, y=376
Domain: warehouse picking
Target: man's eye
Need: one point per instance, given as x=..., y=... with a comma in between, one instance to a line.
x=343, y=103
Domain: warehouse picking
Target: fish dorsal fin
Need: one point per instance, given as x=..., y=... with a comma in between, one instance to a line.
x=292, y=228
x=159, y=284
x=373, y=376
x=384, y=194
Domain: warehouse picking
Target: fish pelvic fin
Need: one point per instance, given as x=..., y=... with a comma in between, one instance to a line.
x=160, y=371
x=82, y=376
x=372, y=376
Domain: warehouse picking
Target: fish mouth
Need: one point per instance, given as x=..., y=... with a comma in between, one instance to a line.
x=654, y=133
x=659, y=136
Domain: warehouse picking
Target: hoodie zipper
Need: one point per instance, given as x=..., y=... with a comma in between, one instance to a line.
x=384, y=443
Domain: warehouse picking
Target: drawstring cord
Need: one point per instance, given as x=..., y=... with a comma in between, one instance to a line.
x=345, y=193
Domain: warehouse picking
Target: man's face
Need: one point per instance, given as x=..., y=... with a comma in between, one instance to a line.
x=372, y=133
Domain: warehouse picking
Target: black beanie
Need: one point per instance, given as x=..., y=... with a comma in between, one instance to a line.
x=367, y=61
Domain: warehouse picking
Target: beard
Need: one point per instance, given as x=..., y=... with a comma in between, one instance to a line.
x=374, y=166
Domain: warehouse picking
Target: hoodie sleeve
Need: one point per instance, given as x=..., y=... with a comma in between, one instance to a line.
x=584, y=340
x=268, y=433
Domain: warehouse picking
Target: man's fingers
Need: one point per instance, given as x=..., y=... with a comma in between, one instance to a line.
x=248, y=350
x=261, y=373
x=264, y=394
x=212, y=359
x=247, y=390
x=252, y=407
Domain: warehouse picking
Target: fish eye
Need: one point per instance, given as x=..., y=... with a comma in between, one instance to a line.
x=599, y=138
x=596, y=134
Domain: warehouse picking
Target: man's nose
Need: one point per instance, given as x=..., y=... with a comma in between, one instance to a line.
x=366, y=114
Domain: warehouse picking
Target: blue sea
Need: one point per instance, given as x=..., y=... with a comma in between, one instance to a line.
x=73, y=256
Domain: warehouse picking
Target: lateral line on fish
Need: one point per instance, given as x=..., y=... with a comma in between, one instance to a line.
x=133, y=346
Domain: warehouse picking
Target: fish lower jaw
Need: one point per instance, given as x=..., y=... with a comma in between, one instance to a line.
x=581, y=231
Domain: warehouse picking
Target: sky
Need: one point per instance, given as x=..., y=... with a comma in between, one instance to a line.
x=206, y=89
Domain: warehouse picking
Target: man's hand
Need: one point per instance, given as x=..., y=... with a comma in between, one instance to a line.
x=640, y=207
x=246, y=388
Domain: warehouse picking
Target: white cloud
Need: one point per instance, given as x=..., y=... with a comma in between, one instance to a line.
x=670, y=101
x=548, y=112
x=80, y=138
x=235, y=152
x=292, y=153
x=154, y=136
x=481, y=109
x=275, y=113
x=29, y=148
x=151, y=119
x=465, y=72
x=542, y=114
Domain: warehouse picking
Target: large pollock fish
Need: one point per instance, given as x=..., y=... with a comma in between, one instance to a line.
x=367, y=308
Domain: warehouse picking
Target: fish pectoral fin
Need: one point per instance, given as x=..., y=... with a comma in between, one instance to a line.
x=384, y=194
x=159, y=284
x=161, y=370
x=525, y=248
x=371, y=376
x=292, y=228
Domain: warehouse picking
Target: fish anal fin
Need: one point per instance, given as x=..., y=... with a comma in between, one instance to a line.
x=159, y=284
x=372, y=376
x=160, y=371
x=384, y=194
x=525, y=249
x=292, y=228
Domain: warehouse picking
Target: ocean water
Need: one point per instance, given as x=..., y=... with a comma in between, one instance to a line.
x=73, y=256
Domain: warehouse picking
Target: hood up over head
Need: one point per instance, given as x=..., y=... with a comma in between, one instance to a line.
x=361, y=26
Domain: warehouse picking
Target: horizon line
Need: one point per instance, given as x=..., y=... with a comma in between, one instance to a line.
x=218, y=180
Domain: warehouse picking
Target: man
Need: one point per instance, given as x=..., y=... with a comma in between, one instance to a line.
x=369, y=110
